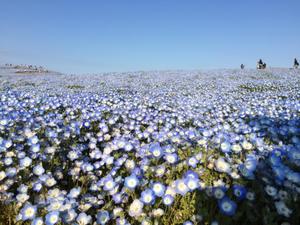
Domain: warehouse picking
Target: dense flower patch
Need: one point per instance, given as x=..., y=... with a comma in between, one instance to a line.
x=219, y=147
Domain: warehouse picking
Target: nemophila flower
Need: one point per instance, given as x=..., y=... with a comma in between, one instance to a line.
x=227, y=207
x=214, y=223
x=236, y=148
x=83, y=219
x=207, y=133
x=37, y=186
x=160, y=171
x=147, y=197
x=137, y=172
x=50, y=150
x=192, y=183
x=293, y=177
x=38, y=170
x=181, y=187
x=239, y=191
x=2, y=175
x=294, y=154
x=129, y=164
x=282, y=195
x=270, y=190
x=170, y=190
x=69, y=216
x=279, y=172
x=8, y=161
x=11, y=172
x=168, y=199
x=250, y=196
x=117, y=198
x=156, y=150
x=250, y=162
x=35, y=148
x=158, y=189
x=136, y=208
x=188, y=223
x=247, y=145
x=37, y=221
x=22, y=197
x=131, y=182
x=128, y=147
x=218, y=192
x=7, y=143
x=192, y=161
x=157, y=212
x=52, y=218
x=245, y=172
x=22, y=188
x=225, y=147
x=50, y=181
x=282, y=209
x=222, y=166
x=146, y=221
x=121, y=221
x=109, y=184
x=102, y=217
x=28, y=212
x=171, y=158
x=74, y=192
x=33, y=140
x=55, y=205
x=191, y=174
x=117, y=212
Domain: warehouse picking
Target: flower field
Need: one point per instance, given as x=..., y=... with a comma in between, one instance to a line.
x=170, y=147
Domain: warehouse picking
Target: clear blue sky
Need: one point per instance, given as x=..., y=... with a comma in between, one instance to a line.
x=126, y=35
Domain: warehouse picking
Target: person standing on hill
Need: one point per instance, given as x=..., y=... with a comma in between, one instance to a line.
x=260, y=64
x=296, y=63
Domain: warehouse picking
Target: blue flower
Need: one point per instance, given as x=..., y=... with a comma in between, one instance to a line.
x=28, y=212
x=38, y=170
x=171, y=158
x=117, y=198
x=25, y=162
x=250, y=163
x=192, y=174
x=102, y=217
x=181, y=187
x=225, y=147
x=37, y=221
x=148, y=197
x=131, y=182
x=219, y=192
x=168, y=200
x=279, y=172
x=158, y=189
x=192, y=183
x=83, y=219
x=35, y=148
x=109, y=183
x=69, y=216
x=245, y=172
x=192, y=161
x=74, y=192
x=227, y=206
x=239, y=191
x=121, y=221
x=156, y=150
x=52, y=218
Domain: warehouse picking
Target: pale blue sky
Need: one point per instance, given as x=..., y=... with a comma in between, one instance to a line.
x=98, y=36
